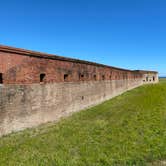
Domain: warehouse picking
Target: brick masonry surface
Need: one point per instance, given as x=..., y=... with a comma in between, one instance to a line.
x=36, y=88
x=20, y=68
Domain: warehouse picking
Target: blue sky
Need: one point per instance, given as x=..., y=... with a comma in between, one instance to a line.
x=124, y=33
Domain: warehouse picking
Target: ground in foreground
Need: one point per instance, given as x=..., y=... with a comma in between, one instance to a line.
x=127, y=130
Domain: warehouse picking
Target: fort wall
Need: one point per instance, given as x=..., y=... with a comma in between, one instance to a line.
x=22, y=68
x=36, y=88
x=24, y=106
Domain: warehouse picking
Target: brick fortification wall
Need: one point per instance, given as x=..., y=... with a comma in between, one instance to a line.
x=37, y=88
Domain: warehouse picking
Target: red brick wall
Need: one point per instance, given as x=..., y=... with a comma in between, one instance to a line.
x=21, y=69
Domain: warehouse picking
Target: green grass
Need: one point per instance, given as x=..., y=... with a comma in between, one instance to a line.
x=127, y=130
x=162, y=79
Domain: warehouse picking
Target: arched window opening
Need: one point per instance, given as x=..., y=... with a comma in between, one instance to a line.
x=95, y=77
x=66, y=77
x=1, y=78
x=103, y=77
x=153, y=78
x=81, y=77
x=42, y=77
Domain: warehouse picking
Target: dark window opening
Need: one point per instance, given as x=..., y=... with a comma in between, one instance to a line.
x=147, y=79
x=82, y=97
x=1, y=78
x=81, y=77
x=42, y=77
x=153, y=78
x=103, y=77
x=110, y=77
x=95, y=77
x=66, y=77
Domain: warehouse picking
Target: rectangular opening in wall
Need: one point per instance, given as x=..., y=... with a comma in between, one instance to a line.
x=66, y=77
x=147, y=79
x=42, y=77
x=1, y=78
x=81, y=77
x=153, y=78
x=103, y=77
x=95, y=77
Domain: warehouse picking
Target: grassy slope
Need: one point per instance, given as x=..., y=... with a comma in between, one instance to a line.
x=129, y=129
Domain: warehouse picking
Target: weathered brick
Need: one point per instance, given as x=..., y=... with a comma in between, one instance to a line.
x=25, y=102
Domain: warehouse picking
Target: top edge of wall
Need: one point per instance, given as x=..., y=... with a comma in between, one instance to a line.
x=57, y=57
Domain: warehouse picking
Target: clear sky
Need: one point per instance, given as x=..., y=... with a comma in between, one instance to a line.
x=124, y=33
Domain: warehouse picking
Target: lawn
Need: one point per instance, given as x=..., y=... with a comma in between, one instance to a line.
x=127, y=130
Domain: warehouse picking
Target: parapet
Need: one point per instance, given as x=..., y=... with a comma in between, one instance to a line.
x=20, y=66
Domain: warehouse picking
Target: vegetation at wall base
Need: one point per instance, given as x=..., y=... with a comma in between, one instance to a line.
x=127, y=130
